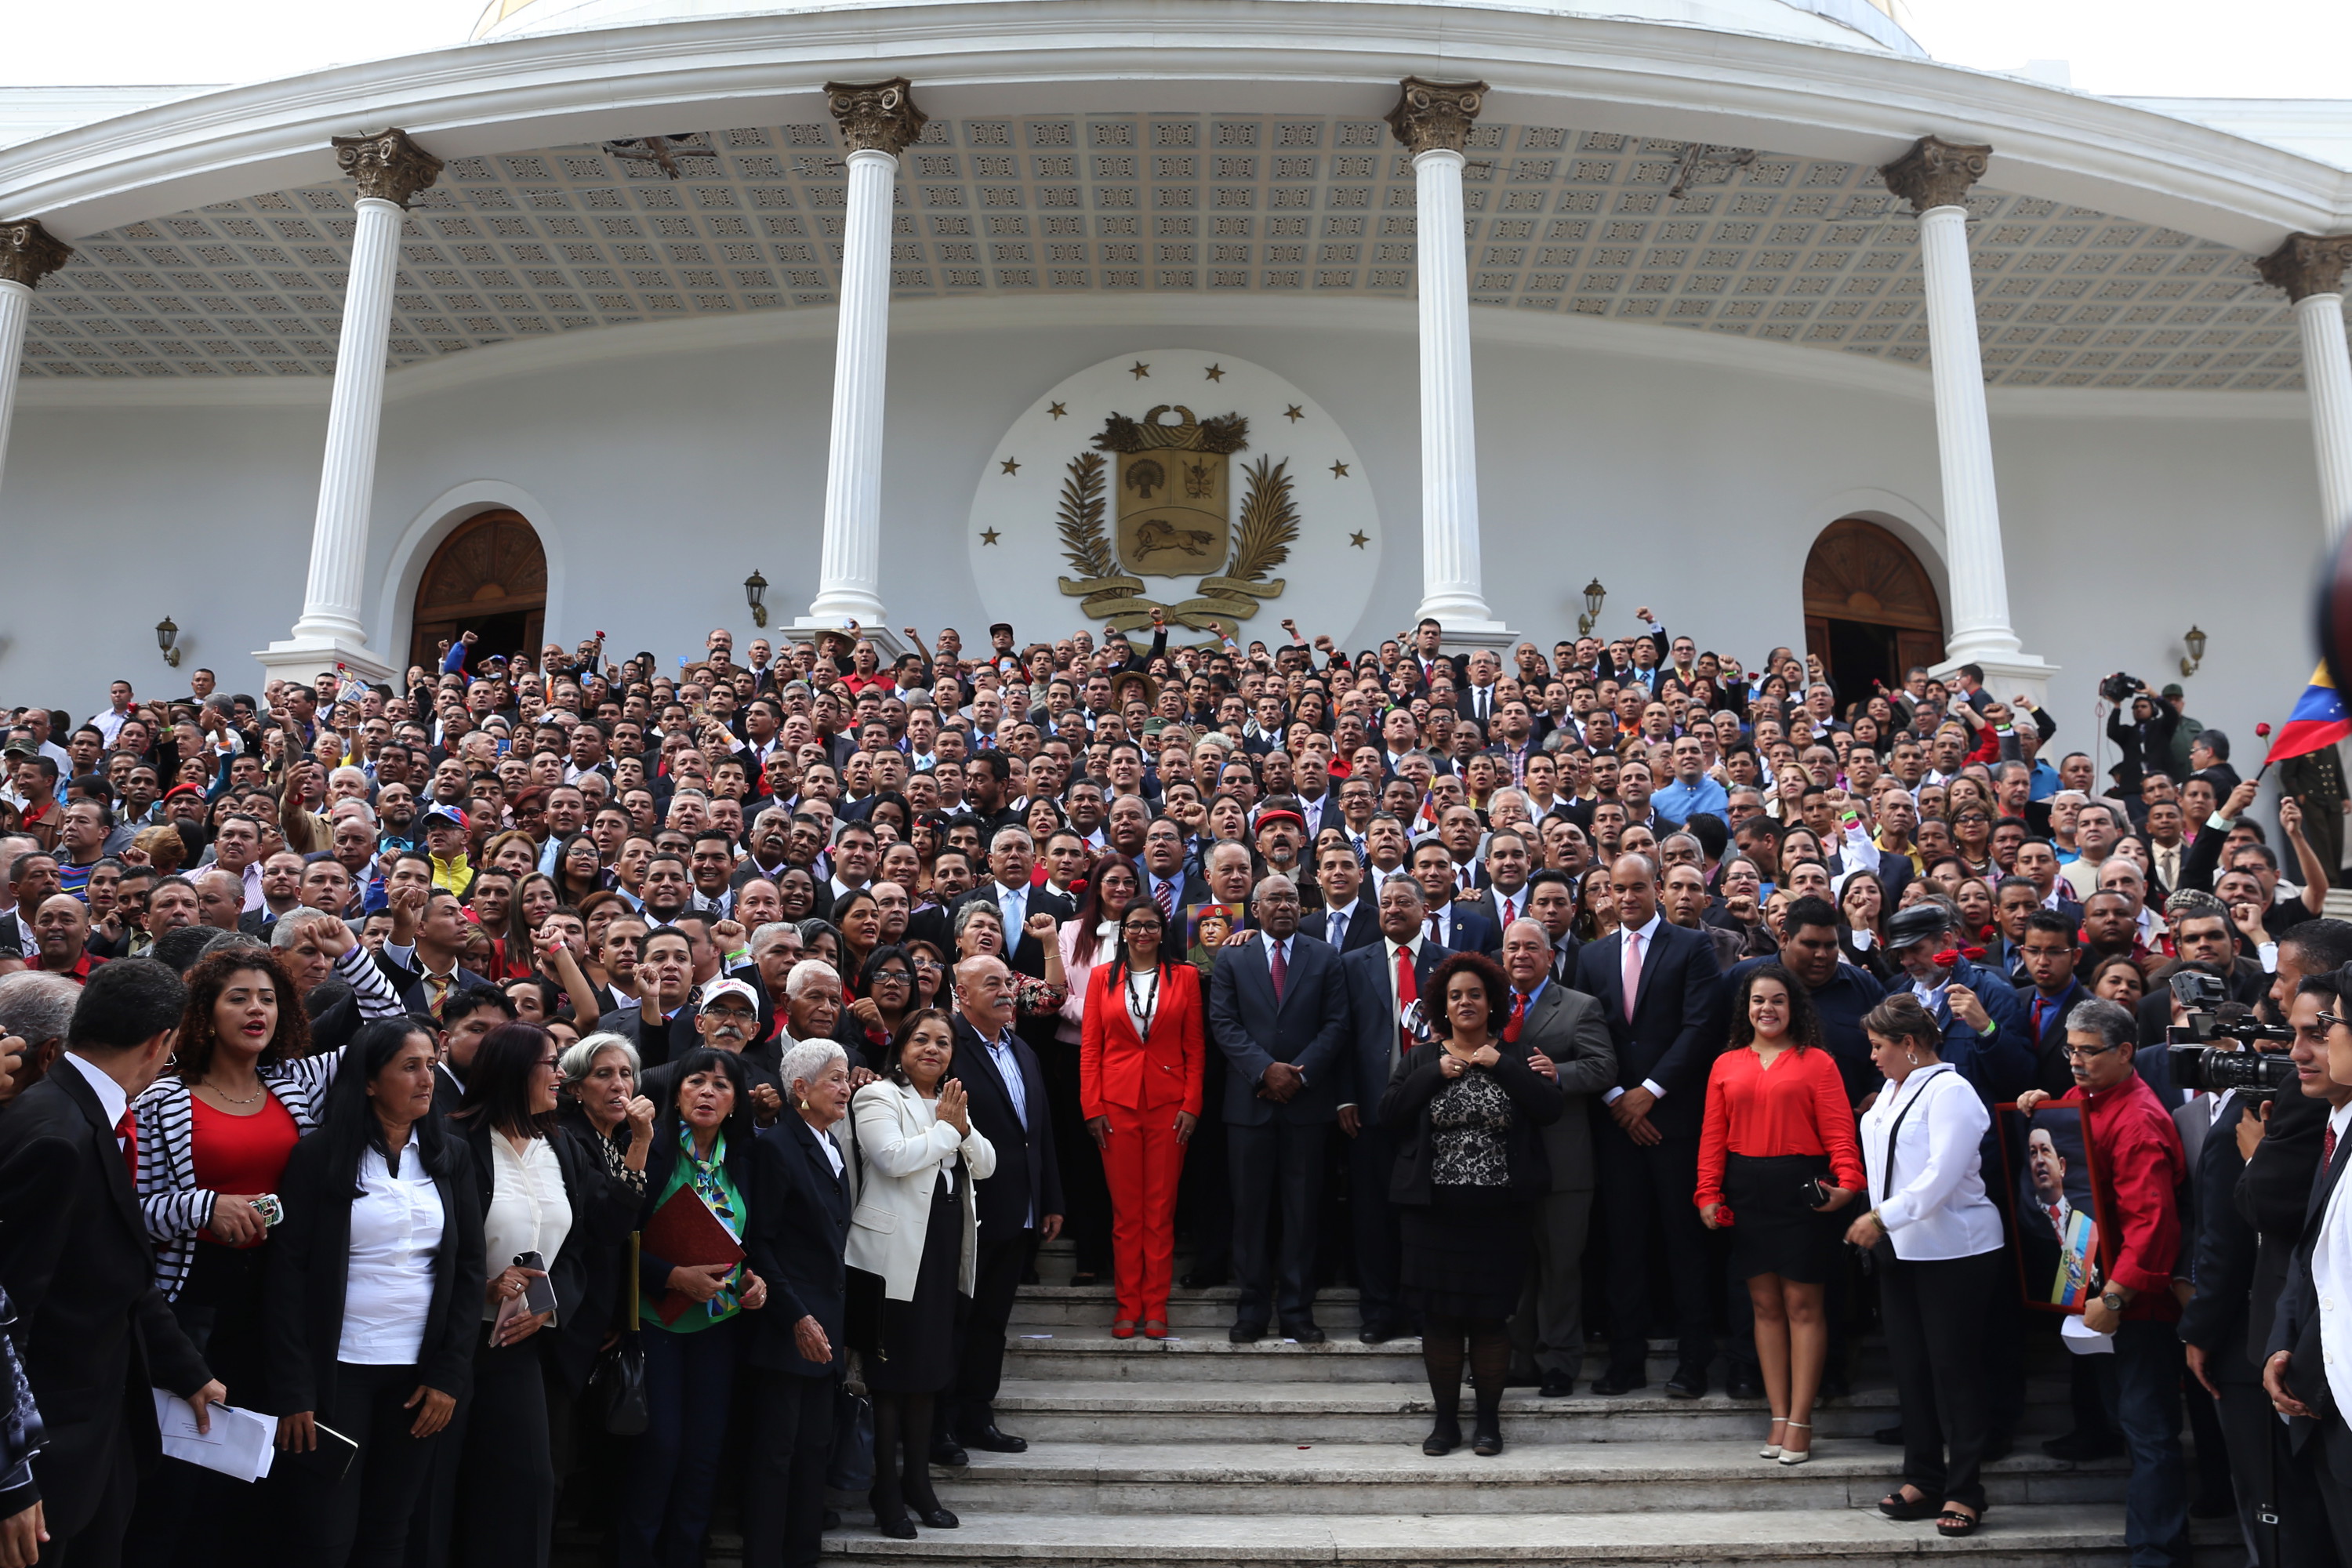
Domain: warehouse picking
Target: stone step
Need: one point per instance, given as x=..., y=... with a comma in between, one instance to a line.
x=1093, y=1305
x=1092, y=1355
x=1137, y=1411
x=2041, y=1535
x=1274, y=1479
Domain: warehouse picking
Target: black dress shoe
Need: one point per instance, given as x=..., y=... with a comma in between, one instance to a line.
x=897, y=1527
x=1305, y=1334
x=1688, y=1382
x=1443, y=1439
x=2079, y=1448
x=1244, y=1334
x=939, y=1519
x=1555, y=1385
x=990, y=1440
x=1486, y=1441
x=947, y=1451
x=1744, y=1383
x=1621, y=1379
x=1377, y=1333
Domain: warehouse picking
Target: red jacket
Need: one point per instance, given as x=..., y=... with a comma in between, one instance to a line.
x=2141, y=1165
x=1116, y=1067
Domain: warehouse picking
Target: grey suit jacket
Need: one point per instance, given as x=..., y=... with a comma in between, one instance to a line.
x=1567, y=1027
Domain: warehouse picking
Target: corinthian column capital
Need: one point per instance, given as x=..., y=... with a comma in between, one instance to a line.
x=1936, y=173
x=29, y=253
x=2307, y=264
x=875, y=116
x=1433, y=116
x=387, y=165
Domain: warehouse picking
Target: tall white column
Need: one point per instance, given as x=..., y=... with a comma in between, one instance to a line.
x=390, y=170
x=2310, y=268
x=877, y=120
x=1434, y=119
x=1934, y=178
x=28, y=253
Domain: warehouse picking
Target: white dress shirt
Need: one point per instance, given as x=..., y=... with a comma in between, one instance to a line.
x=1349, y=913
x=396, y=1224
x=2331, y=1276
x=1938, y=1208
x=529, y=1210
x=110, y=1097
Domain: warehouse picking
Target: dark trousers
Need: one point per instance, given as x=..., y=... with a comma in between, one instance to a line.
x=1547, y=1330
x=2263, y=1472
x=1934, y=1312
x=969, y=1401
x=1646, y=1210
x=1281, y=1163
x=1086, y=1197
x=2140, y=1386
x=362, y=1518
x=1204, y=1199
x=783, y=1496
x=2327, y=1455
x=1372, y=1163
x=504, y=1476
x=674, y=1469
x=99, y=1542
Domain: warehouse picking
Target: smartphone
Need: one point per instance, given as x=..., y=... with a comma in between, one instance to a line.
x=538, y=1295
x=1815, y=1191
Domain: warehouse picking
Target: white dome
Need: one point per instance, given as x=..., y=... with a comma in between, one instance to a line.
x=1853, y=23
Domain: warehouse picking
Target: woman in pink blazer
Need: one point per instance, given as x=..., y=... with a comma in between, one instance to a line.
x=1140, y=1057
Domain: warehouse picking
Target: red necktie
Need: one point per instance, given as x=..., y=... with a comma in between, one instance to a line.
x=128, y=1130
x=1166, y=898
x=1279, y=967
x=2328, y=1150
x=1408, y=990
x=1518, y=1012
x=1510, y=912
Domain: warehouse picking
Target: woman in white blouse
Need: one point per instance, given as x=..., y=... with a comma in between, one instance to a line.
x=369, y=1319
x=913, y=1235
x=1936, y=1240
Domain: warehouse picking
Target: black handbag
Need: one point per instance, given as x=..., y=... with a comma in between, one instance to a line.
x=617, y=1386
x=850, y=1468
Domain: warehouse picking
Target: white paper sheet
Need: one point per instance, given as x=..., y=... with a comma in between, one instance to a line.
x=2083, y=1340
x=241, y=1444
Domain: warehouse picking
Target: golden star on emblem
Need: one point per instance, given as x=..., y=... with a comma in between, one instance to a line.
x=1216, y=373
x=1012, y=464
x=1339, y=470
x=1058, y=410
x=988, y=536
x=1138, y=370
x=1359, y=540
x=1294, y=413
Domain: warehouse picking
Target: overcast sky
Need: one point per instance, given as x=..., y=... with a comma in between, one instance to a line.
x=2238, y=48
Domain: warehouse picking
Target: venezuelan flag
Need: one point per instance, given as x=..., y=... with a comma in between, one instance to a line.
x=2319, y=719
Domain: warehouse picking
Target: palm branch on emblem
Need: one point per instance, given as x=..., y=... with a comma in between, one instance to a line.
x=1081, y=519
x=1269, y=521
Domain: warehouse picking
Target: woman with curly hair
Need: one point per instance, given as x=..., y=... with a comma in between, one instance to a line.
x=1467, y=1108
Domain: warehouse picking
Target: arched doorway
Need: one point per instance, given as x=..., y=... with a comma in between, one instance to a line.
x=488, y=577
x=1871, y=612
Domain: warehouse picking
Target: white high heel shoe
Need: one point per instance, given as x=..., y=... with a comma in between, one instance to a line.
x=1773, y=1450
x=1789, y=1458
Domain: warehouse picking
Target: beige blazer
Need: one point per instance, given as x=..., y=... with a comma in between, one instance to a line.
x=901, y=1144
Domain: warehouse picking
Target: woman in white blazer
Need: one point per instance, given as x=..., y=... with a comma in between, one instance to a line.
x=913, y=1237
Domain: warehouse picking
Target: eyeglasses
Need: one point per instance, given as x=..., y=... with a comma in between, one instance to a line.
x=2326, y=1021
x=2079, y=1054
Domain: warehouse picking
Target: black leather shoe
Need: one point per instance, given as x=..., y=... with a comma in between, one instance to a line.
x=1621, y=1379
x=938, y=1519
x=947, y=1451
x=1744, y=1383
x=1443, y=1439
x=897, y=1527
x=990, y=1440
x=2078, y=1447
x=1377, y=1333
x=1244, y=1334
x=1487, y=1440
x=1688, y=1382
x=1555, y=1385
x=1305, y=1334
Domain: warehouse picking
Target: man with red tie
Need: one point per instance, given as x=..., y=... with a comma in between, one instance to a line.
x=94, y=1331
x=1382, y=982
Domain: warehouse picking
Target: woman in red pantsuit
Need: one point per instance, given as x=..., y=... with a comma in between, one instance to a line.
x=1140, y=1057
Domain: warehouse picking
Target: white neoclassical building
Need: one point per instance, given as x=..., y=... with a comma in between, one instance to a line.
x=926, y=310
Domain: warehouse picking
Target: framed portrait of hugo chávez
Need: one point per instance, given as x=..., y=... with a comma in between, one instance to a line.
x=2055, y=1197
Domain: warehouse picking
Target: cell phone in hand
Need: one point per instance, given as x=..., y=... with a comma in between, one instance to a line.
x=538, y=1294
x=1815, y=1191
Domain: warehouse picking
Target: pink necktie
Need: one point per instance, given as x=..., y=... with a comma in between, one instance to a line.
x=1277, y=970
x=1633, y=977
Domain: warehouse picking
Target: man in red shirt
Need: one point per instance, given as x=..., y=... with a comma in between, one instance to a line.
x=62, y=927
x=2139, y=1166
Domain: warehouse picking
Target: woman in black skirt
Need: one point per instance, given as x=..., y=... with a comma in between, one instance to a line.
x=913, y=1237
x=1776, y=1157
x=1471, y=1166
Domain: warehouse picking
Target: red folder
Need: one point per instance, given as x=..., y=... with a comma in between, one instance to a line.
x=683, y=1230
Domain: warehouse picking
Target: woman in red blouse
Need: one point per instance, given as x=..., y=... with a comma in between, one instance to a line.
x=1777, y=1154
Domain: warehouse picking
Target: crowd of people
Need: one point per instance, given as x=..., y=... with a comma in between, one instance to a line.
x=557, y=1088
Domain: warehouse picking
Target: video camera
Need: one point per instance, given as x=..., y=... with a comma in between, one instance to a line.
x=2197, y=1064
x=2119, y=688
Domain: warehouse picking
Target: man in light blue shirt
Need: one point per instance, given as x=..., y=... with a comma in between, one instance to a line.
x=1691, y=791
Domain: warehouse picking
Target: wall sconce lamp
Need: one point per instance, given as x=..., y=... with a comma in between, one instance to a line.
x=2195, y=642
x=166, y=635
x=1593, y=593
x=755, y=593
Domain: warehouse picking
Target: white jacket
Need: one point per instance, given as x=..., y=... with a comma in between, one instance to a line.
x=901, y=1144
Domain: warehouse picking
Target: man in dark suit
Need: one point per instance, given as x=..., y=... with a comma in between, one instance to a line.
x=94, y=1331
x=1381, y=981
x=1019, y=1204
x=468, y=1016
x=2048, y=952
x=1509, y=862
x=1566, y=1029
x=425, y=968
x=1646, y=1141
x=1277, y=1012
x=1167, y=880
x=1347, y=920
x=1456, y=927
x=800, y=1230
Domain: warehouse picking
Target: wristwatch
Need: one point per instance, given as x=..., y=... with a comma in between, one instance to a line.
x=2112, y=1301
